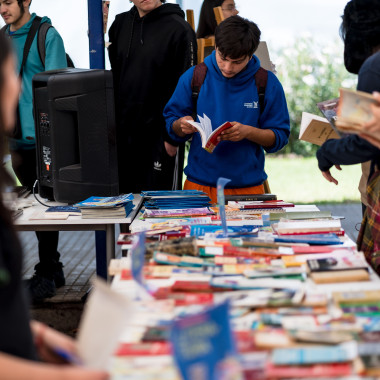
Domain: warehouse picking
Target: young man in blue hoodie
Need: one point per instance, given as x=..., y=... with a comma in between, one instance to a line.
x=16, y=14
x=229, y=93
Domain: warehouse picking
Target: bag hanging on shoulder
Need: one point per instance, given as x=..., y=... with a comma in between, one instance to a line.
x=16, y=132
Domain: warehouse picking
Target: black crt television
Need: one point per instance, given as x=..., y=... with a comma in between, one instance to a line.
x=74, y=115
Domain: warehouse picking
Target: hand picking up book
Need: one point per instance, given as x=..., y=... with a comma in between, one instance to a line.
x=343, y=115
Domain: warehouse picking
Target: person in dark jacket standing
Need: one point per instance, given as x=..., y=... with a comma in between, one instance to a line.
x=361, y=34
x=150, y=47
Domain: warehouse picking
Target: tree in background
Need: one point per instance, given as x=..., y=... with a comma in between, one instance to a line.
x=310, y=73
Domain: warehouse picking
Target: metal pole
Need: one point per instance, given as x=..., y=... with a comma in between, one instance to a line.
x=95, y=34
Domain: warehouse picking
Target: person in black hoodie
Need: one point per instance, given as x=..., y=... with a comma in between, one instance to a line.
x=151, y=46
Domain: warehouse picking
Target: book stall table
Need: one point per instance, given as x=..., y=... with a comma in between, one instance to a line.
x=286, y=324
x=105, y=243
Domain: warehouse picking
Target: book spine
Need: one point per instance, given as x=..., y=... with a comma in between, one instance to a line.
x=250, y=197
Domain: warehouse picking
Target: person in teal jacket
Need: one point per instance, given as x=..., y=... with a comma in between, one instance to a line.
x=229, y=93
x=16, y=14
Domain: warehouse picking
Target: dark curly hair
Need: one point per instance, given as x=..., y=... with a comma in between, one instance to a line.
x=360, y=31
x=237, y=37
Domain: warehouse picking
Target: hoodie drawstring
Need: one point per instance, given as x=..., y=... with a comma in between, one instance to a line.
x=141, y=32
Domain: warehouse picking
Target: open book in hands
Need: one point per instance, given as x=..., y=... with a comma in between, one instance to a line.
x=208, y=136
x=354, y=110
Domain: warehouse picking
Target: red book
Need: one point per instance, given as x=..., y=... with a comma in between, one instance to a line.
x=185, y=299
x=297, y=249
x=308, y=371
x=143, y=349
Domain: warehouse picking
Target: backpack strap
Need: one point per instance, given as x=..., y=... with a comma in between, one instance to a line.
x=199, y=75
x=261, y=79
x=4, y=29
x=42, y=32
x=29, y=40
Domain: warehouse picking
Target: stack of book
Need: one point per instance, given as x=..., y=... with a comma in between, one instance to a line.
x=316, y=226
x=177, y=199
x=261, y=206
x=283, y=319
x=106, y=207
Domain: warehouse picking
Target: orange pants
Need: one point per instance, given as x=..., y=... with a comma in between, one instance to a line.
x=212, y=193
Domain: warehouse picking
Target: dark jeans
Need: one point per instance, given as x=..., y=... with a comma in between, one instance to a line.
x=25, y=166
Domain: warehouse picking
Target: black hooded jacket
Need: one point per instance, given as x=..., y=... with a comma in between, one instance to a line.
x=148, y=55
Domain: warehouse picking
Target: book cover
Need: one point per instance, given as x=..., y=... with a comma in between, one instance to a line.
x=315, y=354
x=250, y=197
x=329, y=109
x=204, y=347
x=316, y=129
x=104, y=202
x=326, y=371
x=69, y=209
x=300, y=215
x=259, y=204
x=357, y=297
x=340, y=276
x=177, y=213
x=354, y=109
x=209, y=136
x=329, y=264
x=293, y=226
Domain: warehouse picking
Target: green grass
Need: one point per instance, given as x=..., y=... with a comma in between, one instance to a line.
x=297, y=179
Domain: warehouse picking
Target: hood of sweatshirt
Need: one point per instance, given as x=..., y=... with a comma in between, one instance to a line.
x=160, y=12
x=24, y=30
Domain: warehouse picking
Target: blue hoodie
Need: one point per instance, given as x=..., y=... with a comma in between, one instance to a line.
x=55, y=59
x=230, y=99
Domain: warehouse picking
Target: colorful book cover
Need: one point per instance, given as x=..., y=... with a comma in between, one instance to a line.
x=100, y=202
x=204, y=347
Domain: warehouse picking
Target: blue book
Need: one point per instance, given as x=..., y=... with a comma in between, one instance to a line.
x=202, y=229
x=313, y=239
x=318, y=354
x=105, y=202
x=203, y=345
x=70, y=209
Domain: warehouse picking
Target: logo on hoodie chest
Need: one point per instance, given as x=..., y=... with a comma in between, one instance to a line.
x=251, y=105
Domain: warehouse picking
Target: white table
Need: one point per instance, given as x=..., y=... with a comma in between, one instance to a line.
x=105, y=243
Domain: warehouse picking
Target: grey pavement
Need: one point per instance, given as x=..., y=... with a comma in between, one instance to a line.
x=352, y=213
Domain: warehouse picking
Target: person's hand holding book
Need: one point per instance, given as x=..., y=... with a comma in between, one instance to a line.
x=237, y=132
x=182, y=128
